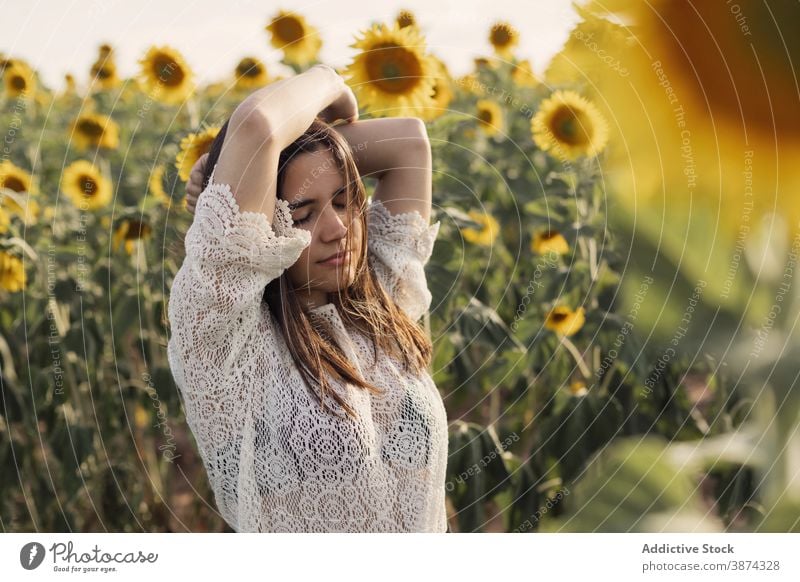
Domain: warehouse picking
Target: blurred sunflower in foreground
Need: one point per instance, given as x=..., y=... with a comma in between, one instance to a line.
x=165, y=76
x=704, y=101
x=392, y=75
x=299, y=41
x=192, y=147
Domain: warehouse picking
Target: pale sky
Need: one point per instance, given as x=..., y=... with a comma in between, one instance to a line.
x=60, y=36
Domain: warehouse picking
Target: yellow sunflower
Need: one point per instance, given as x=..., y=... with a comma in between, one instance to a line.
x=570, y=126
x=406, y=18
x=129, y=232
x=251, y=74
x=522, y=74
x=594, y=52
x=156, y=185
x=84, y=184
x=94, y=129
x=490, y=116
x=165, y=76
x=503, y=38
x=549, y=241
x=16, y=179
x=103, y=73
x=564, y=321
x=299, y=40
x=12, y=273
x=488, y=231
x=392, y=74
x=19, y=80
x=708, y=112
x=192, y=147
x=442, y=94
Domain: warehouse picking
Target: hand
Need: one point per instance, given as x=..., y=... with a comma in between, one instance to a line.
x=195, y=184
x=344, y=107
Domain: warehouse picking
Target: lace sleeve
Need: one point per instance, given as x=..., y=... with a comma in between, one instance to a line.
x=221, y=345
x=399, y=247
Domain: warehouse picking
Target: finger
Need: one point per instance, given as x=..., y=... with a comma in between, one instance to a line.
x=196, y=177
x=193, y=189
x=200, y=164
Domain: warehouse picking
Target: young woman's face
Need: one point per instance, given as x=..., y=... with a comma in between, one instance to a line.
x=317, y=193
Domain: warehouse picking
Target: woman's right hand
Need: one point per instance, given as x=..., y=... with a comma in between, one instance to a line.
x=194, y=186
x=345, y=106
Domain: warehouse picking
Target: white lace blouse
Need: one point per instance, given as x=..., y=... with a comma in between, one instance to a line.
x=275, y=460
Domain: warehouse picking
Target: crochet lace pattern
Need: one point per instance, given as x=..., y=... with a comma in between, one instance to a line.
x=275, y=460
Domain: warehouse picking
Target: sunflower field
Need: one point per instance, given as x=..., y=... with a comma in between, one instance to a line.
x=614, y=315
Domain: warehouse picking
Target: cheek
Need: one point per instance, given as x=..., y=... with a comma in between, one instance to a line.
x=299, y=270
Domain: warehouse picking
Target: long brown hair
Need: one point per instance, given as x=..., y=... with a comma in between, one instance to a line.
x=364, y=305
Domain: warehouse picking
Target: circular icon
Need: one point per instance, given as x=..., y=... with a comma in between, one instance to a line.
x=31, y=555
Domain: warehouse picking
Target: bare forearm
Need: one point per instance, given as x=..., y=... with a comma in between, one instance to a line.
x=379, y=145
x=397, y=152
x=289, y=106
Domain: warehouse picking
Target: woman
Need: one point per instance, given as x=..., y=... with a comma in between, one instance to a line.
x=295, y=339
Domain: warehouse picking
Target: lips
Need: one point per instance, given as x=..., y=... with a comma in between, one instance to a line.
x=335, y=256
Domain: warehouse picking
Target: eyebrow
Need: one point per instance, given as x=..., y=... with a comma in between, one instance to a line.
x=305, y=202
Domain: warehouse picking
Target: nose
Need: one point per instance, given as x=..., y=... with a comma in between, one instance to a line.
x=331, y=227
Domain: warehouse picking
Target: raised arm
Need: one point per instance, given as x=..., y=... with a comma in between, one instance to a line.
x=266, y=122
x=397, y=152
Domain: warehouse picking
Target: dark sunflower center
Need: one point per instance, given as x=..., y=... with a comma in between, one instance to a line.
x=393, y=68
x=571, y=126
x=168, y=71
x=405, y=19
x=136, y=230
x=559, y=317
x=88, y=185
x=90, y=128
x=18, y=82
x=248, y=68
x=485, y=116
x=15, y=184
x=501, y=36
x=104, y=73
x=288, y=29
